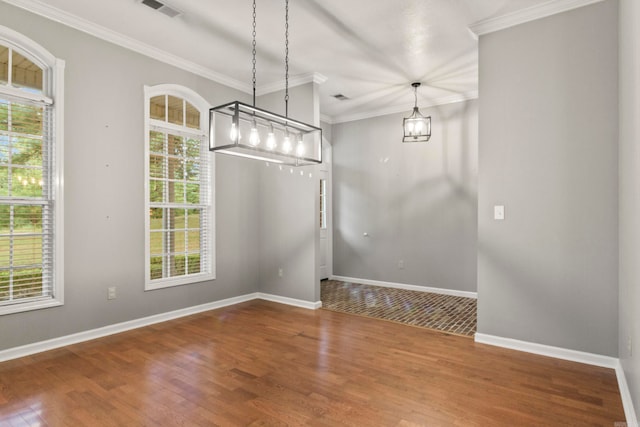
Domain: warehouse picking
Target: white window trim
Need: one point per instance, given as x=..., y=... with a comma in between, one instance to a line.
x=53, y=88
x=203, y=106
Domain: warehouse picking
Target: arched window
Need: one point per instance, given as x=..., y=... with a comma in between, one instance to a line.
x=31, y=220
x=178, y=178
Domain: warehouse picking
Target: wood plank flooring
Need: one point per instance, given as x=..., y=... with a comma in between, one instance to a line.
x=261, y=363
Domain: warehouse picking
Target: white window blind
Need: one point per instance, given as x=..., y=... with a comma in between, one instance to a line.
x=179, y=243
x=26, y=201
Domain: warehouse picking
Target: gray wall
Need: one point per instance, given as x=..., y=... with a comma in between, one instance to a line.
x=548, y=151
x=288, y=211
x=417, y=201
x=629, y=203
x=104, y=124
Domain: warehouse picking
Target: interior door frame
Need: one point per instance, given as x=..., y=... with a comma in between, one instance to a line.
x=325, y=172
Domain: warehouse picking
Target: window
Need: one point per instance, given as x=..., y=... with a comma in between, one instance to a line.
x=179, y=202
x=31, y=220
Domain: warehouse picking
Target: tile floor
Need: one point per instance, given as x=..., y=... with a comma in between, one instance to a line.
x=447, y=313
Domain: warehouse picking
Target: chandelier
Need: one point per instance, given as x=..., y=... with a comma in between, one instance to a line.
x=417, y=128
x=244, y=130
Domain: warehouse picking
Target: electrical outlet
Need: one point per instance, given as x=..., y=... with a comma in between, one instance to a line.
x=401, y=264
x=280, y=272
x=111, y=292
x=498, y=212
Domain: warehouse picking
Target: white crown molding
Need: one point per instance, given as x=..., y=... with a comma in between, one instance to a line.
x=326, y=119
x=293, y=82
x=404, y=108
x=532, y=13
x=393, y=285
x=40, y=8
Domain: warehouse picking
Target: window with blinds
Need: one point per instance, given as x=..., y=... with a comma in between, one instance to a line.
x=27, y=185
x=179, y=206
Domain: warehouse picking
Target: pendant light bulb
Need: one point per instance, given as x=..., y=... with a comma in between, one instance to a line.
x=300, y=147
x=409, y=127
x=286, y=144
x=271, y=139
x=234, y=133
x=254, y=136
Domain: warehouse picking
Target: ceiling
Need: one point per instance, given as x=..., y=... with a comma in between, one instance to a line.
x=369, y=51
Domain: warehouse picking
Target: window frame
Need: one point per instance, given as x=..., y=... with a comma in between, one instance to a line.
x=53, y=94
x=203, y=107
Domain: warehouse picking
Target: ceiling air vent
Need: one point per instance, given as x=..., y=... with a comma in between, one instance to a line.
x=161, y=7
x=340, y=97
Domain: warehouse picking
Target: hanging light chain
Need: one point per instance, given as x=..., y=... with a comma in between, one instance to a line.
x=415, y=95
x=254, y=53
x=286, y=58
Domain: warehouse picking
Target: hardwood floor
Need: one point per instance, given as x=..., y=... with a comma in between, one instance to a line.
x=261, y=363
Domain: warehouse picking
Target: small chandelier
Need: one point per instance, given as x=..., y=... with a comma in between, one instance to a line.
x=247, y=131
x=417, y=128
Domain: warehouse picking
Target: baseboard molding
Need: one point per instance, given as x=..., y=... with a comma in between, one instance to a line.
x=406, y=286
x=290, y=301
x=625, y=394
x=39, y=347
x=573, y=356
x=547, y=350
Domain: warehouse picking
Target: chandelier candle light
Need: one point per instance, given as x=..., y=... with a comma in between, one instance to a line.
x=247, y=131
x=417, y=128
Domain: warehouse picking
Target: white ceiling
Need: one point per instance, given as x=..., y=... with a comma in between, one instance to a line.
x=368, y=50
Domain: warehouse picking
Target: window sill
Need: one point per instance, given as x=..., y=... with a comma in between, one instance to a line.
x=29, y=306
x=171, y=282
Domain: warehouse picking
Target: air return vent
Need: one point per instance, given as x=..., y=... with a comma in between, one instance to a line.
x=161, y=7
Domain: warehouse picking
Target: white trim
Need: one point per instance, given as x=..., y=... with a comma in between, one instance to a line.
x=326, y=119
x=18, y=93
x=81, y=24
x=26, y=350
x=57, y=88
x=53, y=94
x=440, y=291
x=532, y=13
x=38, y=347
x=404, y=108
x=573, y=356
x=43, y=58
x=293, y=82
x=203, y=106
x=547, y=350
x=290, y=301
x=625, y=395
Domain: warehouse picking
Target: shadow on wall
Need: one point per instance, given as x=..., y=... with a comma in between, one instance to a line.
x=417, y=202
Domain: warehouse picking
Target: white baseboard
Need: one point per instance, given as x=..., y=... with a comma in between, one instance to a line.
x=573, y=356
x=38, y=347
x=627, y=401
x=547, y=350
x=290, y=301
x=441, y=291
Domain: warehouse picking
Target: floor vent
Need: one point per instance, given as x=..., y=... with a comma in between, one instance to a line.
x=161, y=7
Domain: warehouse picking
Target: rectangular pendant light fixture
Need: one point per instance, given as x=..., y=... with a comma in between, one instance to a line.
x=246, y=131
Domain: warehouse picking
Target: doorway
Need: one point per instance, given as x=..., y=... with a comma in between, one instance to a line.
x=324, y=214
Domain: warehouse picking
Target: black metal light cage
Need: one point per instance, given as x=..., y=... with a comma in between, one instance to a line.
x=411, y=123
x=230, y=126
